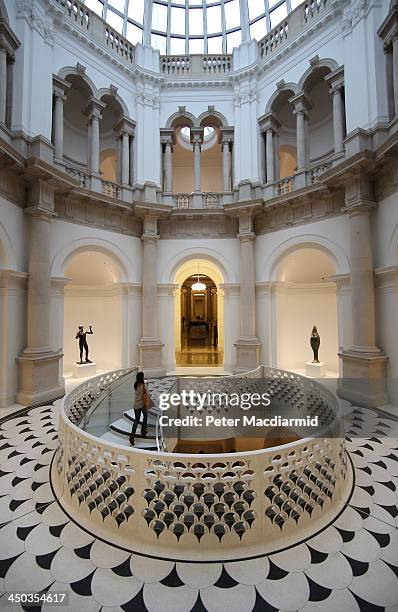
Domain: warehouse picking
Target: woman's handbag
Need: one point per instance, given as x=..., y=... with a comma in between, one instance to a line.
x=145, y=397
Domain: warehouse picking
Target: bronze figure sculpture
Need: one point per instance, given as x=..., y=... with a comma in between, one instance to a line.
x=81, y=336
x=315, y=342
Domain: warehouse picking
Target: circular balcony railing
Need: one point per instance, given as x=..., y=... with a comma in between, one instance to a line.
x=198, y=506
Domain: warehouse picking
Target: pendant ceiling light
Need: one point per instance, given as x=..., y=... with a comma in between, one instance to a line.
x=198, y=286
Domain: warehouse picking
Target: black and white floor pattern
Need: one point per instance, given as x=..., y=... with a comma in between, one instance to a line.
x=351, y=566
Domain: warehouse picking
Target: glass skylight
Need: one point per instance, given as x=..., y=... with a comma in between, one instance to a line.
x=178, y=27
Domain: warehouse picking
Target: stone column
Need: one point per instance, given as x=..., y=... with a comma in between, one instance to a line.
x=167, y=141
x=38, y=364
x=60, y=88
x=197, y=139
x=364, y=360
x=336, y=81
x=150, y=344
x=124, y=129
x=394, y=45
x=269, y=125
x=8, y=44
x=248, y=345
x=227, y=139
x=94, y=112
x=131, y=158
x=301, y=107
x=3, y=85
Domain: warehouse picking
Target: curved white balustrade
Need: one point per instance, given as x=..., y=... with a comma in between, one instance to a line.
x=195, y=506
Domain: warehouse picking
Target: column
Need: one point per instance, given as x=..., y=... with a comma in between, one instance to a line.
x=226, y=167
x=60, y=88
x=39, y=366
x=150, y=345
x=364, y=360
x=336, y=81
x=244, y=20
x=269, y=125
x=131, y=158
x=269, y=151
x=301, y=107
x=93, y=111
x=196, y=155
x=168, y=167
x=395, y=72
x=248, y=345
x=3, y=85
x=124, y=129
x=338, y=118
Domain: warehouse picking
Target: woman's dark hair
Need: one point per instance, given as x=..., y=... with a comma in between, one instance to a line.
x=139, y=380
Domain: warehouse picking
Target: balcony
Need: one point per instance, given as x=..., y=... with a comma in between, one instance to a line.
x=186, y=66
x=291, y=27
x=77, y=15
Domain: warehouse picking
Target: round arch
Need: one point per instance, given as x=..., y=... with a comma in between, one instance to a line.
x=329, y=63
x=104, y=91
x=287, y=87
x=214, y=118
x=181, y=118
x=306, y=241
x=170, y=270
x=63, y=257
x=72, y=70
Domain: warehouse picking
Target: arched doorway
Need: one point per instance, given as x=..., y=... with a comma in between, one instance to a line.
x=302, y=297
x=199, y=315
x=94, y=296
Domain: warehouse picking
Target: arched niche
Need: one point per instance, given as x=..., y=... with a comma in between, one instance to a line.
x=304, y=296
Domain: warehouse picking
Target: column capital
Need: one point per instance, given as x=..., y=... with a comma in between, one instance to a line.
x=94, y=109
x=167, y=136
x=226, y=134
x=246, y=236
x=8, y=41
x=151, y=238
x=389, y=28
x=335, y=80
x=125, y=125
x=60, y=87
x=301, y=104
x=196, y=135
x=269, y=121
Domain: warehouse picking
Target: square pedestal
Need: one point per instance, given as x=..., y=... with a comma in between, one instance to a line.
x=84, y=370
x=315, y=370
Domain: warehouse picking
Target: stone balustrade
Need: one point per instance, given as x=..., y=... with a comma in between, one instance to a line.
x=292, y=26
x=206, y=200
x=195, y=65
x=195, y=506
x=77, y=14
x=316, y=172
x=110, y=189
x=285, y=185
x=79, y=175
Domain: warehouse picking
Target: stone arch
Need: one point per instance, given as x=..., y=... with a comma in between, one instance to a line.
x=72, y=70
x=215, y=118
x=181, y=118
x=328, y=63
x=287, y=87
x=107, y=91
x=63, y=257
x=170, y=270
x=306, y=241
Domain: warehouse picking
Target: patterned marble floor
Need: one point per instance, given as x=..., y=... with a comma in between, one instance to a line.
x=350, y=566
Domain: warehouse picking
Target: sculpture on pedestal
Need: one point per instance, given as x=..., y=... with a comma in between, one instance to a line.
x=83, y=346
x=315, y=342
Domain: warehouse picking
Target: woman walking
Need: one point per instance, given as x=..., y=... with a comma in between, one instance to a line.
x=141, y=401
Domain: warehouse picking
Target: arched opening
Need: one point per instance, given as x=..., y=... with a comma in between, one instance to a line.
x=75, y=123
x=210, y=161
x=199, y=315
x=320, y=122
x=303, y=297
x=110, y=141
x=94, y=297
x=283, y=111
